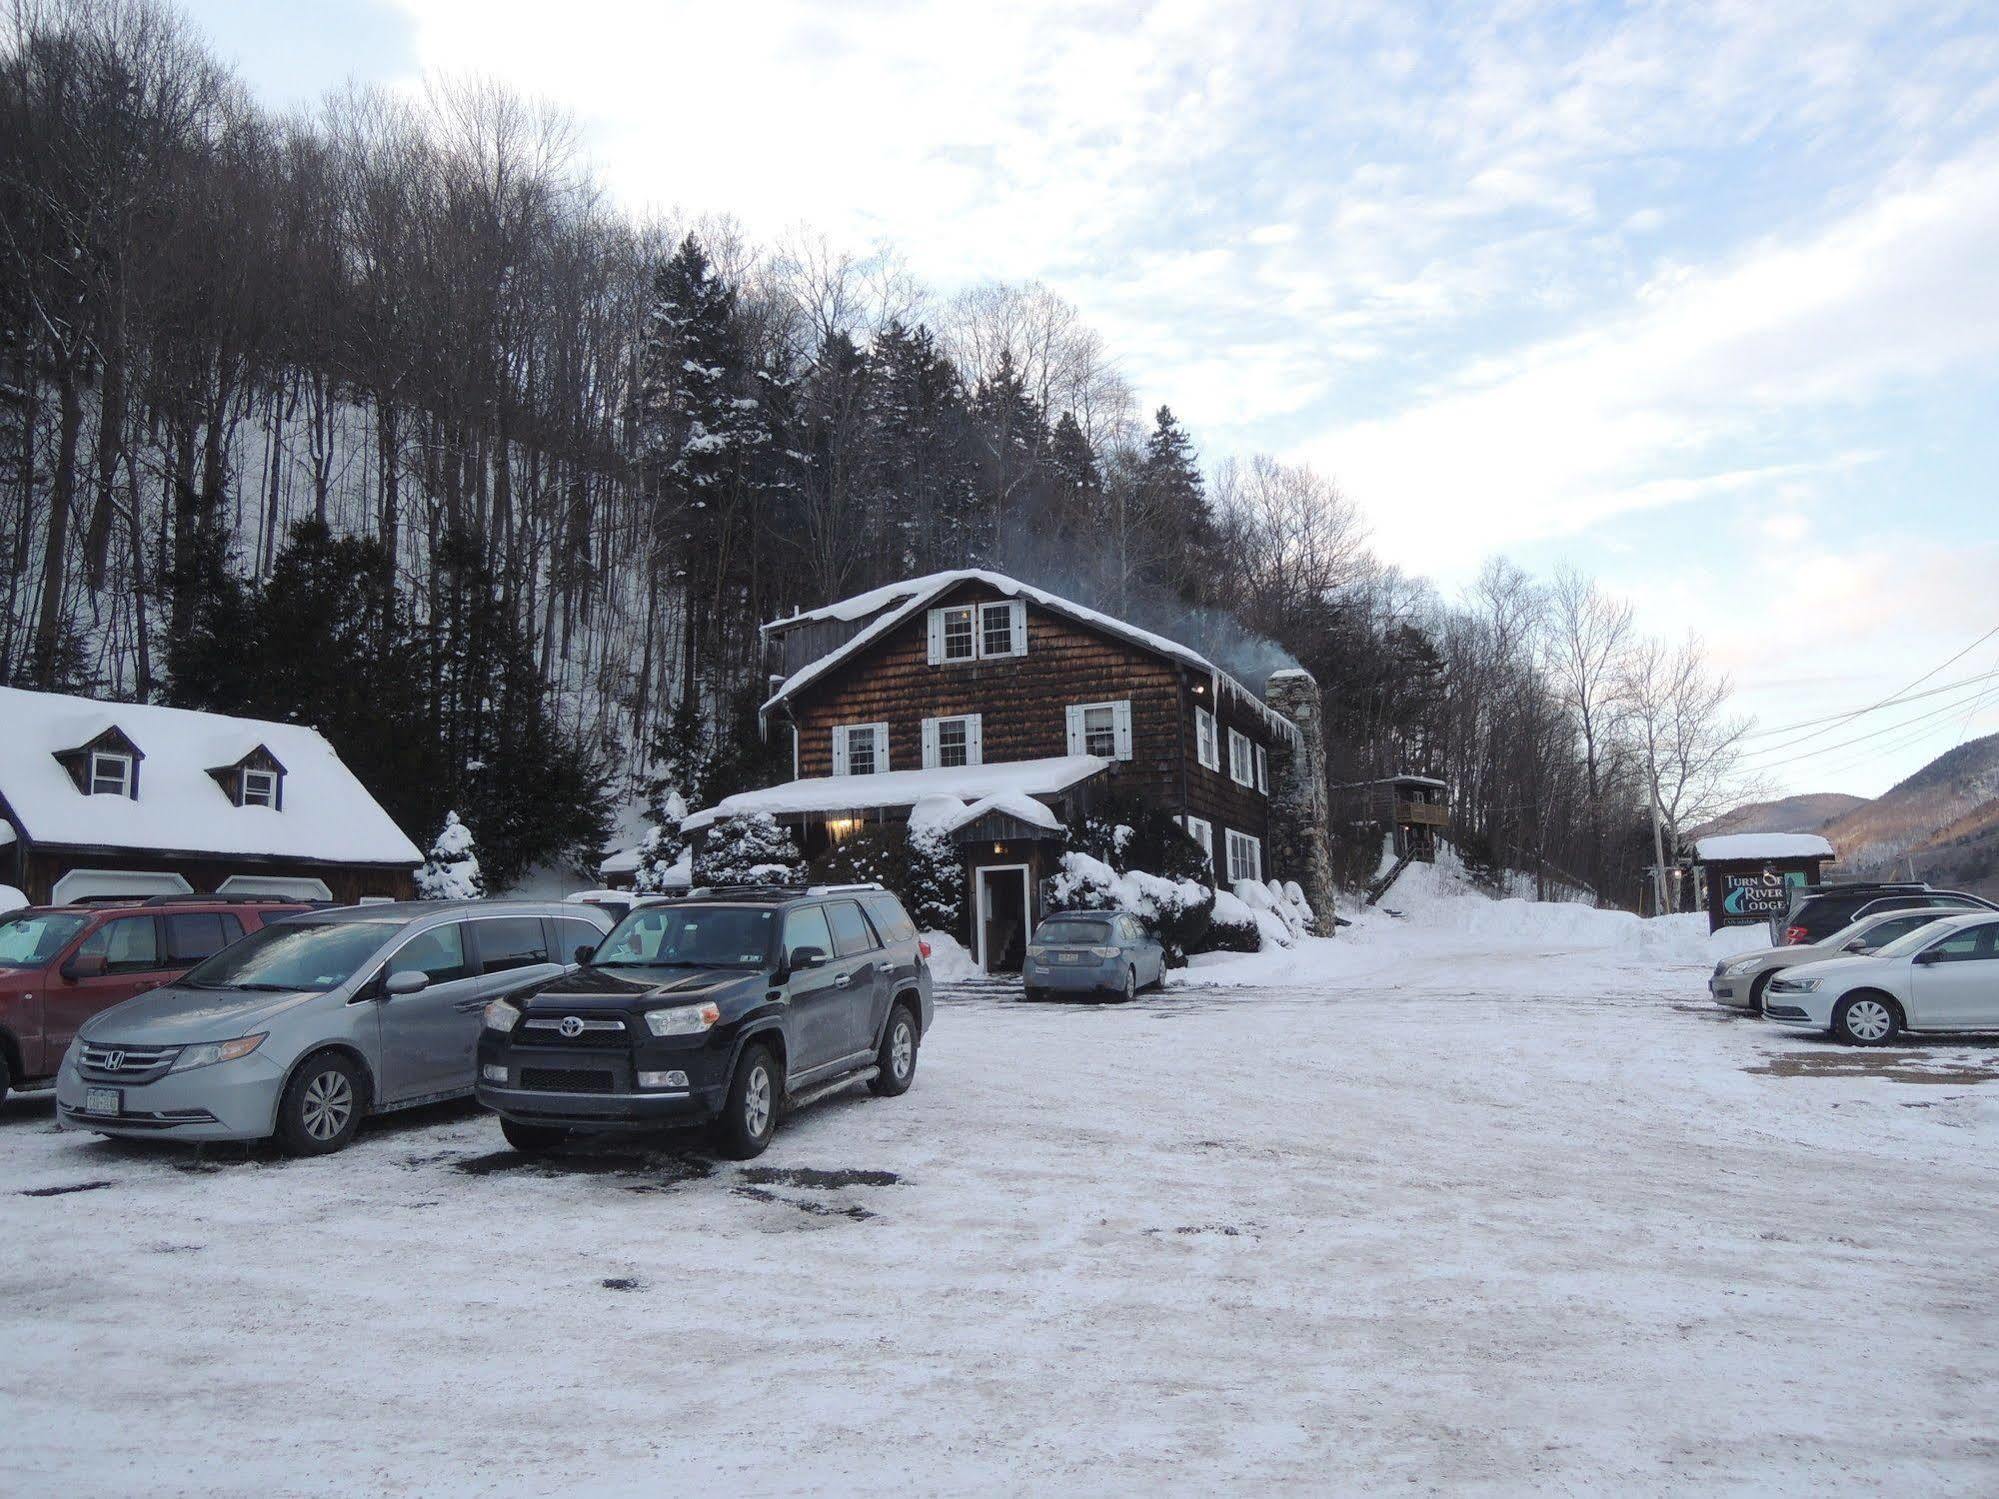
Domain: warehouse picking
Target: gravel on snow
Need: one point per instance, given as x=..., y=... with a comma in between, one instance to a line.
x=1458, y=1216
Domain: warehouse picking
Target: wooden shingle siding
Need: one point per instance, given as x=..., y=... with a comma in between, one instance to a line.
x=1211, y=793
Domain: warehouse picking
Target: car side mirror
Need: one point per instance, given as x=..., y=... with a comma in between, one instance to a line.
x=585, y=953
x=1928, y=956
x=85, y=965
x=410, y=981
x=807, y=957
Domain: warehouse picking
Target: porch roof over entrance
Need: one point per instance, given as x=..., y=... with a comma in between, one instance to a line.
x=900, y=789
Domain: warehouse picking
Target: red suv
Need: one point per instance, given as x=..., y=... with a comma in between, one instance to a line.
x=59, y=965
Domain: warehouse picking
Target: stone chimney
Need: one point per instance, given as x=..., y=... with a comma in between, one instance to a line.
x=1300, y=821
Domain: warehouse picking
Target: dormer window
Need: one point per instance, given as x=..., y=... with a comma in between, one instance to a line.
x=260, y=789
x=110, y=774
x=253, y=778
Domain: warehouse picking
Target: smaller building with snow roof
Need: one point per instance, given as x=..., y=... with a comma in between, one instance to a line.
x=125, y=799
x=1750, y=878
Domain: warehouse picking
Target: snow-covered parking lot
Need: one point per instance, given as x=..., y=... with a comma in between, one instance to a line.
x=1453, y=1203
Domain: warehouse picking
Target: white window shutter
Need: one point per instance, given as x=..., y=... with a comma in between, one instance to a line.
x=974, y=745
x=839, y=750
x=1075, y=729
x=936, y=637
x=929, y=744
x=881, y=746
x=1121, y=721
x=1017, y=611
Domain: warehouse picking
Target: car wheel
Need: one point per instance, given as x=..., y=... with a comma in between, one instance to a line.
x=896, y=1060
x=749, y=1118
x=321, y=1107
x=1031, y=994
x=1865, y=1020
x=1130, y=990
x=1756, y=991
x=532, y=1139
x=6, y=1081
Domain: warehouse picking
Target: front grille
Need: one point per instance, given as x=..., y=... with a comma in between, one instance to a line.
x=596, y=1031
x=566, y=1079
x=125, y=1063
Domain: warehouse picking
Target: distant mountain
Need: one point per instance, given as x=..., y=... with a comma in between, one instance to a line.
x=1943, y=820
x=1808, y=813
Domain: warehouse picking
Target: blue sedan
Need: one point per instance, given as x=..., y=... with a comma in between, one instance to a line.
x=1091, y=952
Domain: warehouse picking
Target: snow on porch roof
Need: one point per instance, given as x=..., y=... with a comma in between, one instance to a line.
x=1726, y=846
x=905, y=599
x=905, y=788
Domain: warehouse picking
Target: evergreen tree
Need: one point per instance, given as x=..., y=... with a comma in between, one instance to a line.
x=1175, y=502
x=451, y=872
x=1076, y=485
x=664, y=847
x=921, y=481
x=1012, y=446
x=750, y=849
x=935, y=894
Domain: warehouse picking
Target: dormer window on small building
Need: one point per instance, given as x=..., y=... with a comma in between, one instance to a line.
x=255, y=778
x=104, y=763
x=110, y=774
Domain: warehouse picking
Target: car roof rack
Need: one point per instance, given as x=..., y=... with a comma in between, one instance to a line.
x=744, y=892
x=844, y=889
x=191, y=899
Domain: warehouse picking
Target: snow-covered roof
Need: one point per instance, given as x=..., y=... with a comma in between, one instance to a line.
x=625, y=861
x=1024, y=779
x=1726, y=846
x=328, y=815
x=904, y=600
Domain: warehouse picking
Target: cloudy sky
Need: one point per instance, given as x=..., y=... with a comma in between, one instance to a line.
x=1701, y=298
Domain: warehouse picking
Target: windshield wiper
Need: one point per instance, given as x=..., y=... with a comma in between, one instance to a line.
x=259, y=988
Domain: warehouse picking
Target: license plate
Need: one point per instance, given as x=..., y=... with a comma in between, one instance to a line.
x=1070, y=957
x=101, y=1101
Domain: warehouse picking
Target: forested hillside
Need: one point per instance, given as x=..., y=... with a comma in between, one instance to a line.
x=382, y=418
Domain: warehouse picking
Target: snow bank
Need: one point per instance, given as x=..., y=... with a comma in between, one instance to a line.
x=949, y=962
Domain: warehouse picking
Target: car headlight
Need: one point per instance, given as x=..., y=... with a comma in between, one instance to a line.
x=1795, y=986
x=1739, y=967
x=682, y=1020
x=501, y=1016
x=216, y=1051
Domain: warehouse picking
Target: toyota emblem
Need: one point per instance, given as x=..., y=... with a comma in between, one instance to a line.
x=571, y=1027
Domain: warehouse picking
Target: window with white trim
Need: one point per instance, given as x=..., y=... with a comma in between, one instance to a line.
x=1242, y=759
x=950, y=742
x=1207, y=739
x=1245, y=858
x=860, y=749
x=1262, y=771
x=260, y=788
x=978, y=632
x=1101, y=729
x=1202, y=832
x=110, y=775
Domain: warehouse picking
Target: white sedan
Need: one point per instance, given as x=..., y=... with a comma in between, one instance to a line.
x=1941, y=977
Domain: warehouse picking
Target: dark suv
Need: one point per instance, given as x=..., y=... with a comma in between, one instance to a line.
x=1817, y=911
x=60, y=965
x=723, y=1008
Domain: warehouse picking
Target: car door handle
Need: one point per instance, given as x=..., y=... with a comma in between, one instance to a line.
x=844, y=981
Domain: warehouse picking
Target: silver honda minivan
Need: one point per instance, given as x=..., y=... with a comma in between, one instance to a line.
x=304, y=1026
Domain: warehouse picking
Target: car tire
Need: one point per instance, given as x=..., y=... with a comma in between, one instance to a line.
x=1130, y=991
x=322, y=1105
x=1866, y=1019
x=532, y=1139
x=749, y=1117
x=6, y=1079
x=896, y=1061
x=1757, y=990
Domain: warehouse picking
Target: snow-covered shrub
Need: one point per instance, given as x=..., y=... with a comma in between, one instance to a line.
x=748, y=849
x=1266, y=911
x=934, y=894
x=1128, y=834
x=451, y=872
x=1232, y=927
x=871, y=855
x=1174, y=911
x=663, y=864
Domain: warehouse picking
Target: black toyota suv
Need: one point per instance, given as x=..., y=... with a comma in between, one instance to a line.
x=1820, y=910
x=725, y=1007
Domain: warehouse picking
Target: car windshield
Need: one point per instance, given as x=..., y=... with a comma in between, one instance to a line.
x=290, y=955
x=1915, y=942
x=1069, y=929
x=30, y=941
x=689, y=937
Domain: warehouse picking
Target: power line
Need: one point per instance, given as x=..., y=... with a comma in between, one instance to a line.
x=1906, y=723
x=1890, y=700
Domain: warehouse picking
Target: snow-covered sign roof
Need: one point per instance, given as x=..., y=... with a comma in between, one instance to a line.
x=1726, y=846
x=905, y=788
x=625, y=861
x=328, y=815
x=904, y=600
